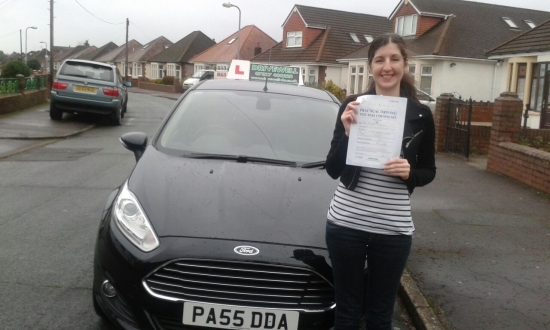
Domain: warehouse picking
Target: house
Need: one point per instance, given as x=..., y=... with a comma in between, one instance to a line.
x=316, y=38
x=177, y=57
x=66, y=53
x=449, y=39
x=218, y=57
x=138, y=59
x=118, y=55
x=527, y=62
x=92, y=56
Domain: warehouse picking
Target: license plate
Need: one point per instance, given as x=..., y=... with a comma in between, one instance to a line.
x=230, y=317
x=84, y=89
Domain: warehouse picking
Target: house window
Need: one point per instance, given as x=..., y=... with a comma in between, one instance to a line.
x=231, y=41
x=412, y=69
x=368, y=38
x=178, y=71
x=530, y=23
x=137, y=70
x=171, y=70
x=537, y=85
x=510, y=23
x=360, y=75
x=406, y=25
x=312, y=76
x=354, y=37
x=426, y=79
x=154, y=70
x=303, y=75
x=294, y=39
x=161, y=71
x=353, y=78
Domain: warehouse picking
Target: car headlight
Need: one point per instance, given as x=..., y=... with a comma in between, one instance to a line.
x=132, y=221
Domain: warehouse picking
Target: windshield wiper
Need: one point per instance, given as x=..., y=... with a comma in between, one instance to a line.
x=320, y=164
x=243, y=159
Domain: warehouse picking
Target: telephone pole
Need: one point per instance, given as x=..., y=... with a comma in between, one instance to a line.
x=126, y=64
x=51, y=43
x=21, y=43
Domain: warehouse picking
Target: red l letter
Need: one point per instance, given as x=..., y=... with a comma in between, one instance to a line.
x=237, y=70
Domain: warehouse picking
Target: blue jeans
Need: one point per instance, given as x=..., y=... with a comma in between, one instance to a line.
x=386, y=256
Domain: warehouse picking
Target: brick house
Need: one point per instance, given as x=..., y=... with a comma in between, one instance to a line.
x=527, y=61
x=176, y=58
x=315, y=38
x=117, y=56
x=138, y=59
x=219, y=56
x=448, y=41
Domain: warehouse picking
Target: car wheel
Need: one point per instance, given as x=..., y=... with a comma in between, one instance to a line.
x=125, y=108
x=116, y=117
x=55, y=113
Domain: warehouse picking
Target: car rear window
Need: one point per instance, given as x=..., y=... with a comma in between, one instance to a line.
x=87, y=70
x=253, y=124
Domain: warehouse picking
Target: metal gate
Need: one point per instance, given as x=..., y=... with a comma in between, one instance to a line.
x=459, y=123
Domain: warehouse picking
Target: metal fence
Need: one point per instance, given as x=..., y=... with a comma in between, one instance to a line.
x=10, y=86
x=458, y=127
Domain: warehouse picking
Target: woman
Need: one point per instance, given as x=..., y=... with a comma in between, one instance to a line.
x=370, y=214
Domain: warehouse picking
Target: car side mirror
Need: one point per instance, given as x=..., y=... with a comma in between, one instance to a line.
x=135, y=142
x=128, y=84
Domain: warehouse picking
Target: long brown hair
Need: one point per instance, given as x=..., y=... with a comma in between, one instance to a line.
x=407, y=82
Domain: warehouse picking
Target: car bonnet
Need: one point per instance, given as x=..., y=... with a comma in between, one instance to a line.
x=229, y=200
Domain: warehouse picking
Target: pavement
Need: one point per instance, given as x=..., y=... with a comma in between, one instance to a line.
x=480, y=256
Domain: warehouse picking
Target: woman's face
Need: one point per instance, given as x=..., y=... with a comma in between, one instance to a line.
x=388, y=67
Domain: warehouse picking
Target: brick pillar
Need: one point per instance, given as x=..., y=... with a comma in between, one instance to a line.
x=21, y=83
x=507, y=112
x=441, y=118
x=140, y=80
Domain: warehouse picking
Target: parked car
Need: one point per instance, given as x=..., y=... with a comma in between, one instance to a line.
x=221, y=222
x=198, y=76
x=426, y=99
x=89, y=87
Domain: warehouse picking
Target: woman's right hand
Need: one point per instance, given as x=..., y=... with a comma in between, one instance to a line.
x=348, y=116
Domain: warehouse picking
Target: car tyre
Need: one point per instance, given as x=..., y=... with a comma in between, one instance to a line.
x=116, y=117
x=97, y=308
x=124, y=108
x=55, y=113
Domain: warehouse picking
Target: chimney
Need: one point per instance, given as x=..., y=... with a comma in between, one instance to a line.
x=257, y=49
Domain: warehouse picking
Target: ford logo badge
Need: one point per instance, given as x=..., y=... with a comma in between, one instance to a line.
x=246, y=250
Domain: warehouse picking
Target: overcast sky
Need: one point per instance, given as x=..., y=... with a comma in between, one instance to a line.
x=101, y=21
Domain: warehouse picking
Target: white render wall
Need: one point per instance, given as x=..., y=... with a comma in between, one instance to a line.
x=338, y=75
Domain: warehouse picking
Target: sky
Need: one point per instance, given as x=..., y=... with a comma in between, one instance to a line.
x=102, y=21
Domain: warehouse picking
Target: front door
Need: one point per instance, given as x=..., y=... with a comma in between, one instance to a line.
x=545, y=109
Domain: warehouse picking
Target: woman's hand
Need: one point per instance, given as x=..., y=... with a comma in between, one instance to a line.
x=398, y=167
x=348, y=116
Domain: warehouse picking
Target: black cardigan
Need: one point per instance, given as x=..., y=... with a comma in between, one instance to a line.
x=418, y=148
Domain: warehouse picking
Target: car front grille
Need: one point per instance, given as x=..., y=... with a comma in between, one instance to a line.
x=242, y=284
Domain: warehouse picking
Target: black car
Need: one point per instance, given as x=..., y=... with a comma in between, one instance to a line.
x=221, y=222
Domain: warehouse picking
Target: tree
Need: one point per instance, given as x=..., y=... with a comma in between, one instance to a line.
x=12, y=68
x=34, y=64
x=2, y=57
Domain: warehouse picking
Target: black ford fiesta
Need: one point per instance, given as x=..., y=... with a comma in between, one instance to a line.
x=221, y=222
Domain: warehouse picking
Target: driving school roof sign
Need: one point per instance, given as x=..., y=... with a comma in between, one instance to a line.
x=259, y=72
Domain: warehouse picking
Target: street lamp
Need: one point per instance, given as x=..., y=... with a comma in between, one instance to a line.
x=30, y=27
x=45, y=55
x=229, y=5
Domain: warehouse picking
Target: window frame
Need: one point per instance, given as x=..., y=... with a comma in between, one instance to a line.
x=426, y=75
x=294, y=35
x=404, y=31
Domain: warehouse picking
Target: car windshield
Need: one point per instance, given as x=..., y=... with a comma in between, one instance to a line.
x=250, y=124
x=197, y=74
x=87, y=70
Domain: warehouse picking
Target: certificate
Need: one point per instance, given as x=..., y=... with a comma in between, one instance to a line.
x=378, y=134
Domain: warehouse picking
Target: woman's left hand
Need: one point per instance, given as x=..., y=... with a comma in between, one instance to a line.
x=398, y=167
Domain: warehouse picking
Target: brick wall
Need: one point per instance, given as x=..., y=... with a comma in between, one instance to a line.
x=482, y=112
x=480, y=139
x=21, y=101
x=176, y=88
x=524, y=164
x=295, y=23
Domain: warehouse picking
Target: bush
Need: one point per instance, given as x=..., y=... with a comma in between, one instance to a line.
x=13, y=68
x=34, y=64
x=331, y=87
x=155, y=81
x=168, y=80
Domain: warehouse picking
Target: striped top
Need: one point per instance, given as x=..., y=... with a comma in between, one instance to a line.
x=379, y=204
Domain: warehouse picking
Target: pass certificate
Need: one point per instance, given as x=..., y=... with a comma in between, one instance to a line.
x=378, y=133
